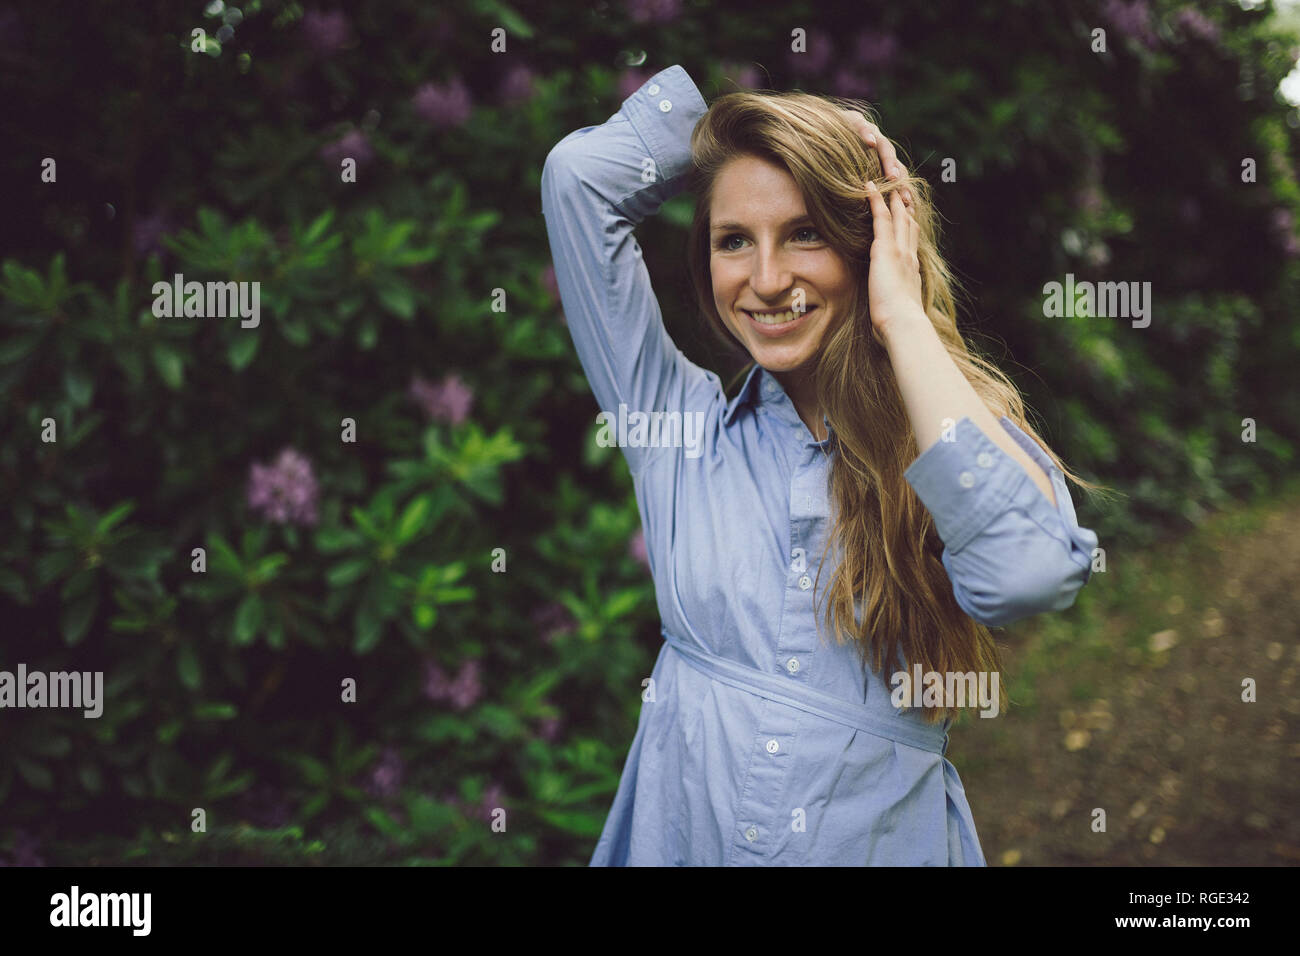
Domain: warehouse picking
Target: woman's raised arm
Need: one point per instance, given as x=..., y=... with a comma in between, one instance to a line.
x=598, y=183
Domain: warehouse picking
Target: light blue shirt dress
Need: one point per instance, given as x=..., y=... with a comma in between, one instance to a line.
x=758, y=743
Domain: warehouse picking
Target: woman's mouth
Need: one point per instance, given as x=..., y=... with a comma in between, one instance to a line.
x=778, y=323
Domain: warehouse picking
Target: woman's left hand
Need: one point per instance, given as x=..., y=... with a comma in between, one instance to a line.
x=894, y=279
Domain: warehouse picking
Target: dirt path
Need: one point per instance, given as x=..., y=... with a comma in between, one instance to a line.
x=1132, y=702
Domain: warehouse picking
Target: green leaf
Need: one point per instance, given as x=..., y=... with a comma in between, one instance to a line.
x=318, y=227
x=369, y=628
x=216, y=711
x=78, y=615
x=412, y=521
x=242, y=349
x=187, y=666
x=314, y=771
x=424, y=615
x=345, y=572
x=398, y=298
x=429, y=816
x=384, y=823
x=314, y=806
x=248, y=618
x=38, y=777
x=622, y=603
x=170, y=367
x=114, y=516
x=574, y=821
x=338, y=539
x=80, y=387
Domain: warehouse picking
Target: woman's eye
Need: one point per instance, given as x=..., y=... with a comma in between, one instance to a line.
x=724, y=243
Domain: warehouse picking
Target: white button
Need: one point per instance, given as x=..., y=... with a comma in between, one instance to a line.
x=966, y=479
x=751, y=834
x=792, y=665
x=654, y=89
x=665, y=106
x=984, y=460
x=805, y=582
x=773, y=746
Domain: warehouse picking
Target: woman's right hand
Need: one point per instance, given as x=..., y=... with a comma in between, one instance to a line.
x=877, y=140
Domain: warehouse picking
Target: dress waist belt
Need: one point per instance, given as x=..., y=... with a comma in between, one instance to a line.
x=933, y=738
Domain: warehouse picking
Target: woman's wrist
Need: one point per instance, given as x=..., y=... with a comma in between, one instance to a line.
x=905, y=327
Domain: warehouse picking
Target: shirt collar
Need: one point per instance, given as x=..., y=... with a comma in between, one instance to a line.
x=761, y=385
x=748, y=393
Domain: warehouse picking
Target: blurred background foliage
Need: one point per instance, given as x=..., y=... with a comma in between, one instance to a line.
x=418, y=302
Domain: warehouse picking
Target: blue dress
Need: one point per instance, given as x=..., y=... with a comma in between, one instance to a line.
x=760, y=743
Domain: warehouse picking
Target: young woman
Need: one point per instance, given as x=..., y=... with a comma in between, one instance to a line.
x=866, y=442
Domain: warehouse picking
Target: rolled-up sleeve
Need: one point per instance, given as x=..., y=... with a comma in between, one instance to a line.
x=1008, y=552
x=597, y=183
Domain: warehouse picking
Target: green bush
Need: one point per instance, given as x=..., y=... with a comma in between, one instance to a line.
x=410, y=402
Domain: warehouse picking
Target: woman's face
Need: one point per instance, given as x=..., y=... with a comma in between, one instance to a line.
x=764, y=249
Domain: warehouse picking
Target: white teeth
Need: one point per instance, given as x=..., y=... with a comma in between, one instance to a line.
x=775, y=318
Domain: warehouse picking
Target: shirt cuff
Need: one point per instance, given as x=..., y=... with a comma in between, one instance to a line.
x=664, y=112
x=967, y=482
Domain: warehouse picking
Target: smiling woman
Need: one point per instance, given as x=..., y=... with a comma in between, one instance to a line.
x=764, y=743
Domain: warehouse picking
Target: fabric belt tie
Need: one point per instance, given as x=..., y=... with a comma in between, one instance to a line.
x=808, y=699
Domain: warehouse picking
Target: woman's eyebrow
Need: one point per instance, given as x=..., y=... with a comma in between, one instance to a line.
x=719, y=226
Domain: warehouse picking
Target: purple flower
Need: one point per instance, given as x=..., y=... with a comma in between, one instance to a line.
x=493, y=797
x=443, y=105
x=517, y=85
x=24, y=852
x=326, y=33
x=1133, y=19
x=462, y=691
x=818, y=50
x=466, y=689
x=749, y=78
x=385, y=780
x=1197, y=24
x=1284, y=228
x=653, y=11
x=148, y=232
x=447, y=401
x=552, y=619
x=549, y=284
x=436, y=684
x=876, y=50
x=631, y=80
x=848, y=82
x=636, y=547
x=351, y=145
x=286, y=491
x=548, y=728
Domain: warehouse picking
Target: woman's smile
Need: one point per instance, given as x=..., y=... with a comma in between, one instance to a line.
x=778, y=323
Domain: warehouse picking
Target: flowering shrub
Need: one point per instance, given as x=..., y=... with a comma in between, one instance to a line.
x=362, y=571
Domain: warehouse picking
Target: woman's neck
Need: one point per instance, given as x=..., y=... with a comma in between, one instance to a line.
x=798, y=386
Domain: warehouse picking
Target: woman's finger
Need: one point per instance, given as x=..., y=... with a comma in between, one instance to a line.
x=898, y=212
x=882, y=224
x=870, y=132
x=914, y=239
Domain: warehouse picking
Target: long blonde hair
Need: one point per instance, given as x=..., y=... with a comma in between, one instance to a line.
x=887, y=545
